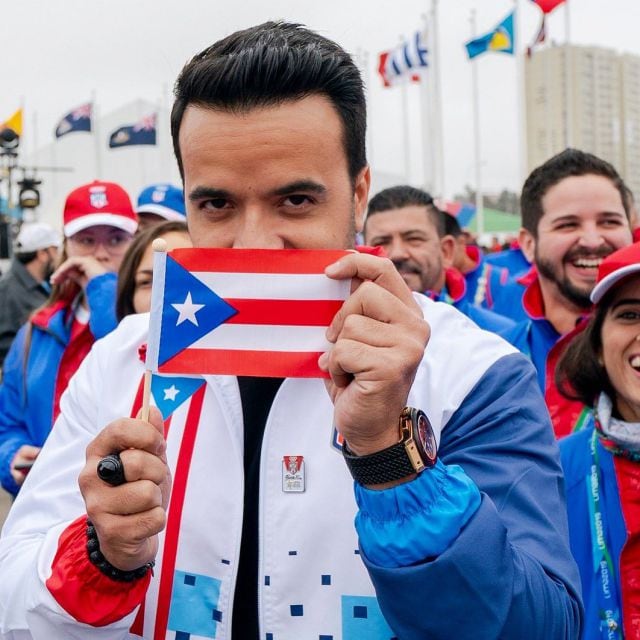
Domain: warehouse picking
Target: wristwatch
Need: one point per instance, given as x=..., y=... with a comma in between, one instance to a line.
x=413, y=453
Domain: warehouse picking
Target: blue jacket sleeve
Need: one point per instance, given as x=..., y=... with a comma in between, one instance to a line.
x=13, y=428
x=101, y=296
x=404, y=525
x=509, y=573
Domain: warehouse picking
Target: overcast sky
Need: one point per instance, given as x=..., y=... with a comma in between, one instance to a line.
x=55, y=53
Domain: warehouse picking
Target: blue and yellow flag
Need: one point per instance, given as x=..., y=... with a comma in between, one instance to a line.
x=499, y=39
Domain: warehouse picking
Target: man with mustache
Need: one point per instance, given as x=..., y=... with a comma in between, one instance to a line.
x=411, y=230
x=575, y=212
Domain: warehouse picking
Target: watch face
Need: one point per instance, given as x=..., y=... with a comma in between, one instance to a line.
x=426, y=439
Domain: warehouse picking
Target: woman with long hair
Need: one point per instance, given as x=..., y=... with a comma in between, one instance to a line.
x=601, y=368
x=136, y=271
x=99, y=223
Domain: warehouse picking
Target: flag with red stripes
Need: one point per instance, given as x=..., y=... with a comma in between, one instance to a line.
x=250, y=312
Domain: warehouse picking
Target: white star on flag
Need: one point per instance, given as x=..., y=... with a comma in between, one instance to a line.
x=187, y=310
x=171, y=393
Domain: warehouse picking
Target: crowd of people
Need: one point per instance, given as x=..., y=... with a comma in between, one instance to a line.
x=487, y=404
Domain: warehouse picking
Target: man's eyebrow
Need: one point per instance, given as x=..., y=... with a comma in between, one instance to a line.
x=200, y=193
x=308, y=186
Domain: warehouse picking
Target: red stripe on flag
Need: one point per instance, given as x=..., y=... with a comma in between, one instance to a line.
x=312, y=313
x=137, y=628
x=295, y=261
x=174, y=515
x=270, y=364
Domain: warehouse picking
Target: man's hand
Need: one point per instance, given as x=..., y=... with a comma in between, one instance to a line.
x=128, y=518
x=20, y=465
x=379, y=338
x=80, y=270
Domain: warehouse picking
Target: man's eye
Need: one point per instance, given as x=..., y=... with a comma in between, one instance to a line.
x=214, y=203
x=297, y=199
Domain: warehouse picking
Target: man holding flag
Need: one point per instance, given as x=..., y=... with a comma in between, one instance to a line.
x=239, y=498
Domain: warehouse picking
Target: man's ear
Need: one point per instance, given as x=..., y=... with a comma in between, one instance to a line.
x=448, y=247
x=527, y=244
x=361, y=196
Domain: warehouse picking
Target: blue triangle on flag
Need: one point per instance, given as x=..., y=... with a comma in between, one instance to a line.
x=169, y=392
x=190, y=310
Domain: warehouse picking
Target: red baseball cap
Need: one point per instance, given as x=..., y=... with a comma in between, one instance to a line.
x=616, y=266
x=98, y=203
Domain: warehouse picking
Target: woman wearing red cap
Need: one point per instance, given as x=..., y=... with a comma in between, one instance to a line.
x=601, y=367
x=99, y=223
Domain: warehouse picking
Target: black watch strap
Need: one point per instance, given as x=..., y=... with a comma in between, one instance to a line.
x=388, y=465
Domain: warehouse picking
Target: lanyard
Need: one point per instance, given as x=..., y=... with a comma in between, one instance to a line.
x=608, y=602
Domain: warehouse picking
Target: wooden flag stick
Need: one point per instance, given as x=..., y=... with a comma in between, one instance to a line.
x=160, y=245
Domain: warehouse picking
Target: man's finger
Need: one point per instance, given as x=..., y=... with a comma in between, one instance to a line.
x=127, y=433
x=142, y=465
x=379, y=270
x=375, y=302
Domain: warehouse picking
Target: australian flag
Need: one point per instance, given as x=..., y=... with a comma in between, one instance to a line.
x=143, y=132
x=76, y=120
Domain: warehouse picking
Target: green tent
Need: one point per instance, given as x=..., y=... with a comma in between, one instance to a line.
x=497, y=222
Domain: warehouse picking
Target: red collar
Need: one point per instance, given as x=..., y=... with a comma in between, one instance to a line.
x=532, y=300
x=474, y=253
x=455, y=283
x=42, y=317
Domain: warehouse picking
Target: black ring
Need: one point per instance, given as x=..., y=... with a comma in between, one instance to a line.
x=111, y=470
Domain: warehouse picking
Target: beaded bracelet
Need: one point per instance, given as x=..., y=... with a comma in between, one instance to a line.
x=98, y=560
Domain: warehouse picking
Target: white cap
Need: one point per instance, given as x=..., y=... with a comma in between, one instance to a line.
x=34, y=236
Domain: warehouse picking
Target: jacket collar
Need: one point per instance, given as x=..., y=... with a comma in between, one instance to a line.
x=455, y=288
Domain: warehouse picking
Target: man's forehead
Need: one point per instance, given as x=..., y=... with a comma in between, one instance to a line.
x=582, y=196
x=402, y=220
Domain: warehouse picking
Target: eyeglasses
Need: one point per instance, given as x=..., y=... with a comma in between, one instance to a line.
x=115, y=242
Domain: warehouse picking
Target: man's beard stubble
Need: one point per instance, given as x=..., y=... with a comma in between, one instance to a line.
x=575, y=295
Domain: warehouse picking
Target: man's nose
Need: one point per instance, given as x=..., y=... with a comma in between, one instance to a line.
x=256, y=230
x=397, y=250
x=591, y=236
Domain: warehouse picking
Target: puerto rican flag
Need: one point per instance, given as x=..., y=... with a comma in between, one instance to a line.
x=250, y=312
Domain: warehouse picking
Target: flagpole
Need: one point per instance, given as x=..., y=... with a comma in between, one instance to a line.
x=427, y=118
x=520, y=101
x=366, y=74
x=406, y=137
x=476, y=134
x=163, y=116
x=439, y=174
x=568, y=84
x=159, y=245
x=96, y=135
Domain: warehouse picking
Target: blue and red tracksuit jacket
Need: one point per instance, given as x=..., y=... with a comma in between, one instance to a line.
x=30, y=391
x=484, y=280
x=512, y=260
x=537, y=338
x=619, y=502
x=454, y=293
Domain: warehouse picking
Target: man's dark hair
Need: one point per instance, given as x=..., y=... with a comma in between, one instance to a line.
x=26, y=258
x=570, y=162
x=406, y=196
x=267, y=65
x=451, y=225
x=579, y=374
